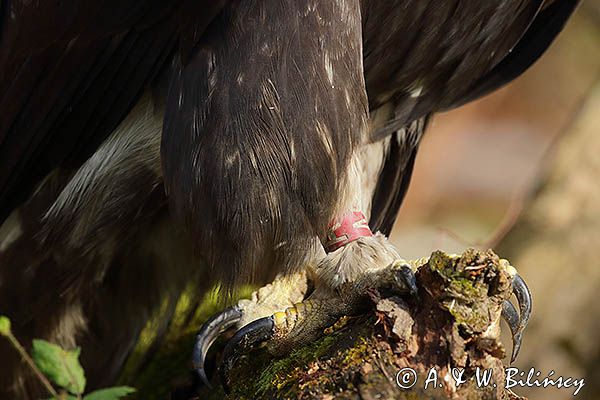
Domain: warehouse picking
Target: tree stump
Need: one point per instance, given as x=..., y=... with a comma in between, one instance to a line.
x=434, y=347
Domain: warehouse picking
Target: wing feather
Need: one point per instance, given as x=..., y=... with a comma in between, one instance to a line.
x=540, y=24
x=395, y=177
x=540, y=35
x=70, y=71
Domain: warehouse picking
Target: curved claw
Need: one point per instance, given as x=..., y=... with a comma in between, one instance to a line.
x=209, y=332
x=511, y=316
x=517, y=321
x=244, y=340
x=523, y=295
x=407, y=277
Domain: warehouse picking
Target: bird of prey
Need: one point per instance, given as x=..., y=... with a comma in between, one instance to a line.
x=147, y=144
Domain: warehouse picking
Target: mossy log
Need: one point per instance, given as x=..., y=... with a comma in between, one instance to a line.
x=452, y=328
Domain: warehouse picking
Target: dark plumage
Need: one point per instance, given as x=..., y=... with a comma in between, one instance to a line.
x=269, y=109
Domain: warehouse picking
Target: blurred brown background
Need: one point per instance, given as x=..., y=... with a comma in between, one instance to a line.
x=519, y=171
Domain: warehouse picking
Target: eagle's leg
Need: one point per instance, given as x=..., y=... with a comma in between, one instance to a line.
x=354, y=262
x=290, y=165
x=305, y=321
x=280, y=314
x=284, y=292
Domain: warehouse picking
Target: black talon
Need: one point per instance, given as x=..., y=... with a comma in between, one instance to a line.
x=209, y=332
x=517, y=321
x=523, y=295
x=244, y=340
x=510, y=314
x=408, y=278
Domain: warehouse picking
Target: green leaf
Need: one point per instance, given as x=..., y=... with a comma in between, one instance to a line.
x=4, y=326
x=113, y=393
x=60, y=366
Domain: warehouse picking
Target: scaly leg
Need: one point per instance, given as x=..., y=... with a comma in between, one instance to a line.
x=305, y=321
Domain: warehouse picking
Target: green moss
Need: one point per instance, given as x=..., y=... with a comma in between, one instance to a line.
x=465, y=288
x=280, y=373
x=440, y=262
x=306, y=369
x=356, y=355
x=464, y=291
x=460, y=283
x=152, y=373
